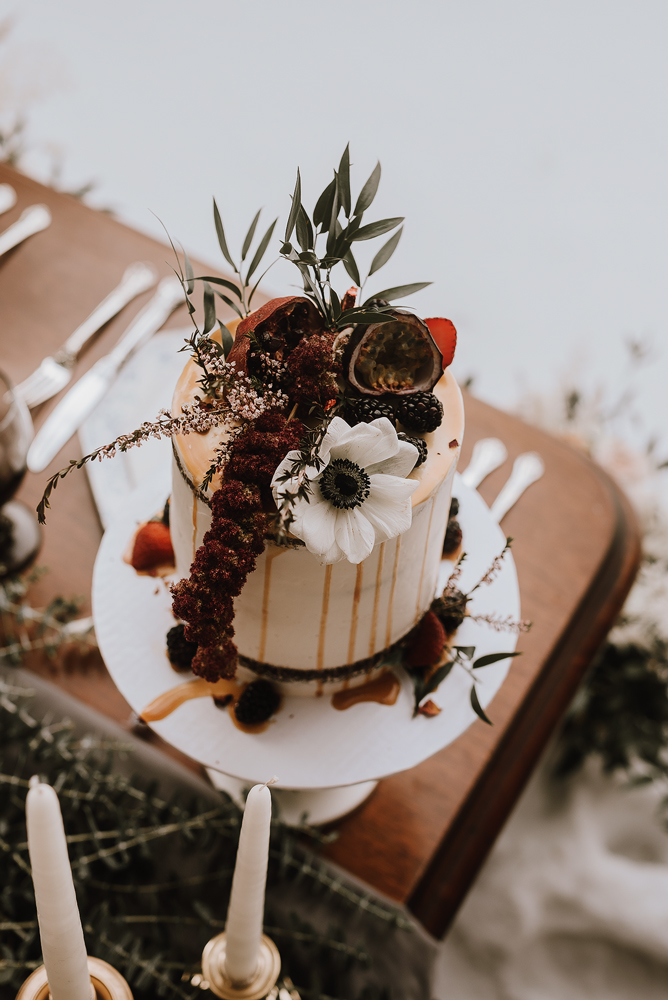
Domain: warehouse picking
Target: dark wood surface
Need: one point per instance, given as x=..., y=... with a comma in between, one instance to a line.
x=423, y=834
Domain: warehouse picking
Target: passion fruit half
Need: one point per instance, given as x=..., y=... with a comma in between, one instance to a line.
x=398, y=356
x=274, y=330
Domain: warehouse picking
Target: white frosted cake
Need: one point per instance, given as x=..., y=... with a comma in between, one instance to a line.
x=314, y=627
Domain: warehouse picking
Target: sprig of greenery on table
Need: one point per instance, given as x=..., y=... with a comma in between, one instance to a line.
x=152, y=873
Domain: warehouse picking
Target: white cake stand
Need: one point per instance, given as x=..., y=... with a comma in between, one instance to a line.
x=327, y=761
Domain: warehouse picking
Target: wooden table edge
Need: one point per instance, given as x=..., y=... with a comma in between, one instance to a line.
x=458, y=858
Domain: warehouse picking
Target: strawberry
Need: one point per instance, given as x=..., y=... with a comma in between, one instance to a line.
x=152, y=547
x=427, y=643
x=445, y=335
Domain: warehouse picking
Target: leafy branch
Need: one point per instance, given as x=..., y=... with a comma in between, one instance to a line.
x=315, y=267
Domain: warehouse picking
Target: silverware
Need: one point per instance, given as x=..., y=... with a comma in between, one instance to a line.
x=7, y=197
x=85, y=394
x=32, y=220
x=53, y=374
x=488, y=454
x=527, y=468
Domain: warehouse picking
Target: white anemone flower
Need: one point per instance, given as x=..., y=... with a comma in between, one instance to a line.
x=359, y=498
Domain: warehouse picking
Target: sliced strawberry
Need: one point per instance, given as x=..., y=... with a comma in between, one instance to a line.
x=429, y=708
x=445, y=335
x=152, y=547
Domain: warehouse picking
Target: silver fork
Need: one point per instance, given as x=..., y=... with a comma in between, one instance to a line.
x=53, y=374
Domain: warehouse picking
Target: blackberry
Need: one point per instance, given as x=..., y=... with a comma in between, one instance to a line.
x=179, y=650
x=454, y=507
x=257, y=703
x=419, y=443
x=450, y=609
x=421, y=411
x=453, y=537
x=363, y=411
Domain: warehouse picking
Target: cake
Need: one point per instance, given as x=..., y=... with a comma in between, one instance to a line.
x=310, y=626
x=315, y=442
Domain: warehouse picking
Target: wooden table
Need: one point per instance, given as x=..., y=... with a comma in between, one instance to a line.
x=423, y=835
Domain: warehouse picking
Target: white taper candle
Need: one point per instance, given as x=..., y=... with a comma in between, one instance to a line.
x=243, y=931
x=63, y=947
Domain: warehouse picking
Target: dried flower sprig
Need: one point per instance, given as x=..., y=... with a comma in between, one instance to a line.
x=195, y=418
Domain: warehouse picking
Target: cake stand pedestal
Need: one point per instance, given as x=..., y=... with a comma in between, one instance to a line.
x=315, y=806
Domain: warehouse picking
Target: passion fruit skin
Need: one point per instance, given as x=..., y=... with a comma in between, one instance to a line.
x=274, y=330
x=399, y=357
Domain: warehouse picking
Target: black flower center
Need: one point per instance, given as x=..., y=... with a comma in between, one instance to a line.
x=344, y=484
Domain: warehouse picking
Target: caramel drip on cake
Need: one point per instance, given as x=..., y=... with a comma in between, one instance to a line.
x=355, y=614
x=376, y=600
x=418, y=613
x=169, y=701
x=323, y=617
x=384, y=690
x=194, y=524
x=395, y=568
x=271, y=553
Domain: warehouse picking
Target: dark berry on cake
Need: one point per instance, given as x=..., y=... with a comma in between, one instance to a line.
x=450, y=609
x=363, y=411
x=179, y=651
x=422, y=412
x=453, y=537
x=257, y=703
x=418, y=443
x=427, y=643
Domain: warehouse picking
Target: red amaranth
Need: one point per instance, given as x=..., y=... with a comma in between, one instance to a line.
x=231, y=546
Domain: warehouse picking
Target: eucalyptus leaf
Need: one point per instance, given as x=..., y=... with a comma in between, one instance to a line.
x=468, y=652
x=399, y=291
x=190, y=279
x=226, y=338
x=220, y=232
x=304, y=230
x=365, y=318
x=322, y=212
x=255, y=286
x=231, y=304
x=335, y=303
x=260, y=252
x=231, y=287
x=209, y=308
x=350, y=265
x=385, y=252
x=334, y=225
x=308, y=257
x=368, y=192
x=477, y=707
x=294, y=208
x=437, y=677
x=373, y=229
x=249, y=236
x=484, y=661
x=344, y=181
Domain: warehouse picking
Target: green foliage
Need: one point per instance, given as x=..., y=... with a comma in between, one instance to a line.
x=340, y=226
x=152, y=871
x=621, y=712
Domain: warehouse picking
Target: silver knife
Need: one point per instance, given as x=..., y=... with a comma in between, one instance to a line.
x=84, y=396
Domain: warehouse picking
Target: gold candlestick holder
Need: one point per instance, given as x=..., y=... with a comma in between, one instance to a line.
x=259, y=987
x=107, y=982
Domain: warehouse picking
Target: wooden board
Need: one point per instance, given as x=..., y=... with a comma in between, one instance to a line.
x=423, y=835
